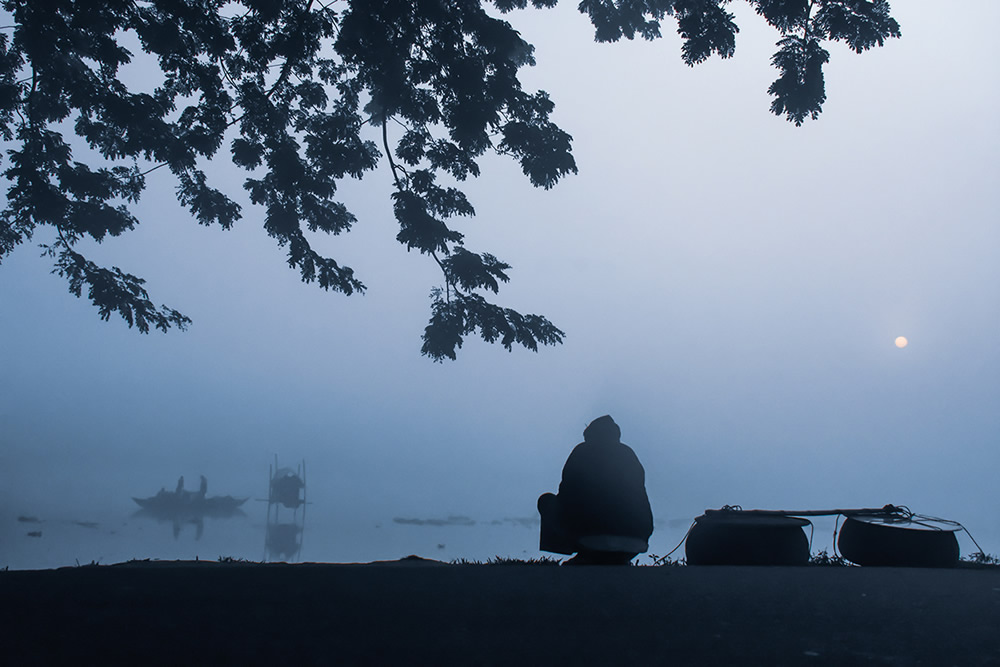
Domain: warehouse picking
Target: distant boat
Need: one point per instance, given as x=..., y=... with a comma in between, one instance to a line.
x=184, y=504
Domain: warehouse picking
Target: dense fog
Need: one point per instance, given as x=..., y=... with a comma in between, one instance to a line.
x=731, y=288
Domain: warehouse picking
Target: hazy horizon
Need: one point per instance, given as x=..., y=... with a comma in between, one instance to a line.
x=730, y=286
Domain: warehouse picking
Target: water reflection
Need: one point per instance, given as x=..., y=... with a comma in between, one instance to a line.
x=286, y=512
x=180, y=507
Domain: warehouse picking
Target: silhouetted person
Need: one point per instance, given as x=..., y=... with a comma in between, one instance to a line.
x=602, y=512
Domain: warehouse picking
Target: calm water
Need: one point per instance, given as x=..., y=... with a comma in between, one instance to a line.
x=41, y=529
x=82, y=535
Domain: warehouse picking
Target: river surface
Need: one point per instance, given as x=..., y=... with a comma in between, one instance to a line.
x=89, y=521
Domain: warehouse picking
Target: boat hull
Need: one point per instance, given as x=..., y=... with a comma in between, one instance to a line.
x=743, y=539
x=874, y=541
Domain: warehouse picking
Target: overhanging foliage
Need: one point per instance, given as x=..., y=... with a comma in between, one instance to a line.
x=302, y=95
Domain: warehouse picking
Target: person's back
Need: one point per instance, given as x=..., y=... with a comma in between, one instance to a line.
x=602, y=510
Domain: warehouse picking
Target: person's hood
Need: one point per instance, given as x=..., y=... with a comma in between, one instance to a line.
x=602, y=430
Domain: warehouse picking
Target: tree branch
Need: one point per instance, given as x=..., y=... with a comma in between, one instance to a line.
x=286, y=69
x=805, y=26
x=149, y=171
x=388, y=154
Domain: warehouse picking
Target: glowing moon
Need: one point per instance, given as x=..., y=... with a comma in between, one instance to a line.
x=901, y=342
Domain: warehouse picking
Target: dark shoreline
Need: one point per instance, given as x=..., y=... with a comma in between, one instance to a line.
x=425, y=612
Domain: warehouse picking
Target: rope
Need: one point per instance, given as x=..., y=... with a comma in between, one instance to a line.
x=836, y=526
x=663, y=559
x=953, y=523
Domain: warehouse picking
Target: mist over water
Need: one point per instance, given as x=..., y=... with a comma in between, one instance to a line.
x=102, y=524
x=116, y=530
x=731, y=288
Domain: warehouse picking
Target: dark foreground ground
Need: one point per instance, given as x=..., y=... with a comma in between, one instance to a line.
x=412, y=612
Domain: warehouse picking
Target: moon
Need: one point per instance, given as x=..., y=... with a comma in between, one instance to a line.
x=901, y=342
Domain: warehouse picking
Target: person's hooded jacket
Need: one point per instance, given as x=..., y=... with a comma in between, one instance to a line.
x=603, y=488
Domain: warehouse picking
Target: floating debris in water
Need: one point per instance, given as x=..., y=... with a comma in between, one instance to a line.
x=450, y=521
x=29, y=519
x=524, y=522
x=35, y=533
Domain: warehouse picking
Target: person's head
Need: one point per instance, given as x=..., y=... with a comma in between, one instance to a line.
x=602, y=431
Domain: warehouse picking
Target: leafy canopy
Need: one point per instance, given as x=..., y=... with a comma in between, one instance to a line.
x=303, y=94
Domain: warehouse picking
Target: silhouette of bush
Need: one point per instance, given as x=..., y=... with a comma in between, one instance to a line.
x=505, y=560
x=978, y=559
x=664, y=561
x=824, y=558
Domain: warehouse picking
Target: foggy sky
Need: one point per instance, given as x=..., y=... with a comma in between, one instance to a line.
x=730, y=286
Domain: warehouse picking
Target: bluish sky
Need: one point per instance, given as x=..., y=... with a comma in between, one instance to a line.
x=730, y=286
